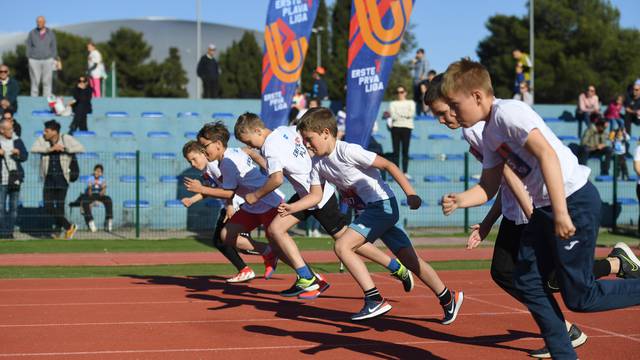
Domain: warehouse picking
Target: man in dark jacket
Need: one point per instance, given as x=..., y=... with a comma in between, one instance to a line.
x=208, y=72
x=12, y=154
x=9, y=88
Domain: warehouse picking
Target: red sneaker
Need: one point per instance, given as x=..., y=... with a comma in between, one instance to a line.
x=270, y=265
x=245, y=274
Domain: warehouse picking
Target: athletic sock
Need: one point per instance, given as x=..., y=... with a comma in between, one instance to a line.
x=372, y=294
x=394, y=265
x=601, y=268
x=304, y=272
x=445, y=296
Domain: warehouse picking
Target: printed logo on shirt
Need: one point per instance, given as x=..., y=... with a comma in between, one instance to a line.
x=299, y=149
x=515, y=162
x=351, y=199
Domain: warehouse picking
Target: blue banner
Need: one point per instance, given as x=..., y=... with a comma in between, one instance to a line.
x=286, y=35
x=375, y=35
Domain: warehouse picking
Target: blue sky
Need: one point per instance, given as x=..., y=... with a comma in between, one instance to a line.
x=433, y=19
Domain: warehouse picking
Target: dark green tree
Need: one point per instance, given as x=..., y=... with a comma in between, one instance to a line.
x=311, y=60
x=337, y=62
x=401, y=70
x=578, y=42
x=240, y=66
x=169, y=78
x=129, y=50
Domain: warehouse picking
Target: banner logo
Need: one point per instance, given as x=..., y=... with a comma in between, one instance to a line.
x=285, y=70
x=385, y=42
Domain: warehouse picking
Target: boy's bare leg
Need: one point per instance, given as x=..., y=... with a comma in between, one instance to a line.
x=420, y=268
x=345, y=247
x=278, y=232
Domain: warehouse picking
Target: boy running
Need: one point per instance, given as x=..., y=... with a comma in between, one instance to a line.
x=354, y=171
x=561, y=195
x=286, y=156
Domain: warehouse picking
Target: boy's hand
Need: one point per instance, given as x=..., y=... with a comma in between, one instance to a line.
x=192, y=185
x=284, y=209
x=187, y=202
x=564, y=227
x=478, y=233
x=449, y=204
x=251, y=198
x=414, y=201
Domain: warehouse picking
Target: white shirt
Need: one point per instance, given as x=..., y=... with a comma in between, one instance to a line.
x=95, y=58
x=349, y=168
x=211, y=172
x=504, y=136
x=510, y=207
x=284, y=151
x=239, y=173
x=636, y=157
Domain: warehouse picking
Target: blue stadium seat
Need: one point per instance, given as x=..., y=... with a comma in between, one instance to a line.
x=88, y=155
x=471, y=179
x=131, y=204
x=551, y=119
x=604, y=178
x=122, y=134
x=84, y=134
x=173, y=204
x=379, y=137
x=168, y=179
x=131, y=179
x=415, y=136
x=190, y=134
x=455, y=156
x=163, y=156
x=436, y=178
x=84, y=179
x=38, y=133
x=633, y=138
x=424, y=118
x=440, y=137
x=632, y=178
x=627, y=201
x=152, y=114
x=116, y=114
x=158, y=134
x=416, y=156
x=568, y=138
x=184, y=114
x=124, y=155
x=42, y=113
x=222, y=115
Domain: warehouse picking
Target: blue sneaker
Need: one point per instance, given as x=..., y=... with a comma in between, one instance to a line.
x=452, y=308
x=371, y=309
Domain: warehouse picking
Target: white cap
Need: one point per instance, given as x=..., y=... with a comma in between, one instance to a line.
x=212, y=46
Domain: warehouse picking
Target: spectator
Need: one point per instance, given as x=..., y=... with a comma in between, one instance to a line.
x=81, y=105
x=524, y=62
x=401, y=113
x=420, y=67
x=208, y=72
x=636, y=167
x=620, y=140
x=41, y=51
x=320, y=90
x=56, y=154
x=12, y=154
x=430, y=75
x=96, y=69
x=17, y=129
x=341, y=120
x=524, y=95
x=97, y=192
x=632, y=108
x=519, y=78
x=613, y=112
x=594, y=144
x=421, y=107
x=588, y=103
x=9, y=89
x=299, y=100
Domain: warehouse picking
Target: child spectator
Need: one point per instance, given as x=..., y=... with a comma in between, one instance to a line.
x=97, y=192
x=620, y=141
x=613, y=112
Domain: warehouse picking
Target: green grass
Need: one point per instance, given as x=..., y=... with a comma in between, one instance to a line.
x=23, y=272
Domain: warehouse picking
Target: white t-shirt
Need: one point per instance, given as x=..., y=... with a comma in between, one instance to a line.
x=284, y=151
x=636, y=157
x=238, y=172
x=211, y=172
x=95, y=58
x=348, y=167
x=504, y=136
x=510, y=207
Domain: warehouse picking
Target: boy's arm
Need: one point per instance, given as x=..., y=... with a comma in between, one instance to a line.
x=188, y=201
x=413, y=200
x=478, y=194
x=195, y=186
x=273, y=182
x=517, y=188
x=308, y=201
x=480, y=231
x=257, y=158
x=537, y=145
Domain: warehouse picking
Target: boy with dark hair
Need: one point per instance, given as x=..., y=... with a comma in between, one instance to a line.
x=97, y=191
x=194, y=154
x=355, y=173
x=514, y=135
x=286, y=156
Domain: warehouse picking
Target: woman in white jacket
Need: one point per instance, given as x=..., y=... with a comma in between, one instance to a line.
x=401, y=112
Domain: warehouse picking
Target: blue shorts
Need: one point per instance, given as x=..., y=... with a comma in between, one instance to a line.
x=379, y=221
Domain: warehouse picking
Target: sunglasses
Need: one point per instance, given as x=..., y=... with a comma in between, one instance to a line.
x=4, y=71
x=400, y=92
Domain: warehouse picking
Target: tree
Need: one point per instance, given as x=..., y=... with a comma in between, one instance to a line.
x=129, y=50
x=337, y=64
x=241, y=68
x=578, y=42
x=401, y=70
x=311, y=60
x=170, y=79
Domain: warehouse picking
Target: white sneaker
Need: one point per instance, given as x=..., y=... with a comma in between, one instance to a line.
x=92, y=226
x=245, y=274
x=316, y=233
x=109, y=225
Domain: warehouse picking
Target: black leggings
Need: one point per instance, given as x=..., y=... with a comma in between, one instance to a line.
x=401, y=135
x=228, y=251
x=54, y=198
x=86, y=206
x=505, y=255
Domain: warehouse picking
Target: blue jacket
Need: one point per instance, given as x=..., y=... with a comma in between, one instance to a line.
x=24, y=155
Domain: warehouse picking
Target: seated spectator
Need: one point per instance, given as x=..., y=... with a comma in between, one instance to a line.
x=588, y=103
x=620, y=142
x=12, y=154
x=17, y=129
x=9, y=90
x=594, y=144
x=97, y=192
x=632, y=107
x=524, y=95
x=613, y=112
x=81, y=105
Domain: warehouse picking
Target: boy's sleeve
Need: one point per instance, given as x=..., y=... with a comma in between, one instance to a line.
x=358, y=156
x=314, y=176
x=230, y=174
x=273, y=161
x=518, y=127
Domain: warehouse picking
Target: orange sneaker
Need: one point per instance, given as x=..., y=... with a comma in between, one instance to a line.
x=245, y=274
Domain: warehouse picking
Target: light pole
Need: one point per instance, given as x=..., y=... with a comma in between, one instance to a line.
x=198, y=43
x=317, y=31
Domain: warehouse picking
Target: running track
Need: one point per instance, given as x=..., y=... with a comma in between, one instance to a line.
x=203, y=318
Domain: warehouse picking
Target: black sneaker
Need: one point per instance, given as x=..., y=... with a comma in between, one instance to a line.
x=403, y=274
x=452, y=308
x=576, y=335
x=301, y=285
x=371, y=309
x=629, y=263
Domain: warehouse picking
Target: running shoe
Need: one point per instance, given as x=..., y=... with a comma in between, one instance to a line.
x=301, y=285
x=245, y=274
x=270, y=264
x=323, y=286
x=452, y=308
x=68, y=235
x=577, y=338
x=371, y=309
x=629, y=263
x=403, y=274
